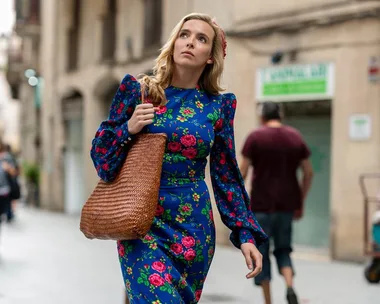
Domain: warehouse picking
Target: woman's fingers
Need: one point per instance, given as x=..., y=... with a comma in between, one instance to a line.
x=145, y=116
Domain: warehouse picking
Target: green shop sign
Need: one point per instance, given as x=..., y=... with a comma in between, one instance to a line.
x=295, y=82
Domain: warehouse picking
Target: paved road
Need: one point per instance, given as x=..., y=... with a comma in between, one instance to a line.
x=44, y=259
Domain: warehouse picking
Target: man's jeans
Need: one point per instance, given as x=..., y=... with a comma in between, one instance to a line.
x=278, y=226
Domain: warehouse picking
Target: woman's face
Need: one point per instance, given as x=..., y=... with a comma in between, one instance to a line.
x=193, y=46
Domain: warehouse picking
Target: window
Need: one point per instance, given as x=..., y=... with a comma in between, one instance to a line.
x=153, y=23
x=109, y=31
x=34, y=13
x=73, y=37
x=27, y=11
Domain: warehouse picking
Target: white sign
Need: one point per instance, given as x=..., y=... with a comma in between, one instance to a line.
x=298, y=82
x=360, y=127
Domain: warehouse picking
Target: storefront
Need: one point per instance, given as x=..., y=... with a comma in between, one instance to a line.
x=306, y=92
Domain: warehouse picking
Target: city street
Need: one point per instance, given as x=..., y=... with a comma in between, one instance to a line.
x=44, y=259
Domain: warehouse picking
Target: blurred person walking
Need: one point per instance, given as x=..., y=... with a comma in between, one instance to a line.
x=14, y=180
x=7, y=174
x=171, y=263
x=275, y=152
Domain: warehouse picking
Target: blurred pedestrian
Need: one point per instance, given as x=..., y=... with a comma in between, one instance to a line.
x=11, y=208
x=275, y=152
x=171, y=263
x=7, y=173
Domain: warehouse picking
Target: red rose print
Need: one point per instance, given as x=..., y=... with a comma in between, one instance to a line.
x=160, y=210
x=230, y=143
x=198, y=294
x=130, y=110
x=105, y=167
x=119, y=133
x=121, y=250
x=239, y=224
x=159, y=266
x=148, y=238
x=156, y=280
x=190, y=255
x=222, y=159
x=120, y=109
x=219, y=124
x=168, y=278
x=174, y=146
x=234, y=103
x=162, y=110
x=176, y=248
x=186, y=208
x=230, y=195
x=133, y=78
x=101, y=150
x=122, y=87
x=188, y=241
x=102, y=132
x=188, y=140
x=211, y=215
x=190, y=153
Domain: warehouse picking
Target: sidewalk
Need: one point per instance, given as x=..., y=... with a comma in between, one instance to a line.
x=44, y=259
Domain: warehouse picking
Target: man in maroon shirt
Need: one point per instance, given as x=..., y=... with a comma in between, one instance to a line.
x=275, y=152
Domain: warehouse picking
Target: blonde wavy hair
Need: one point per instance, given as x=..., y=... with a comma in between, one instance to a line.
x=163, y=69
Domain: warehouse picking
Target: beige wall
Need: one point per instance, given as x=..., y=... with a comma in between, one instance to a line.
x=247, y=9
x=50, y=191
x=349, y=46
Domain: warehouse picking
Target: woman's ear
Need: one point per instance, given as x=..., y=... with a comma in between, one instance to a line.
x=210, y=61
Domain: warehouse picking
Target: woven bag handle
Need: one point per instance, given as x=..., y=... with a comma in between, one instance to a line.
x=142, y=88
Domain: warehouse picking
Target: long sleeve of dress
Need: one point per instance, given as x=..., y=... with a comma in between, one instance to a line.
x=107, y=150
x=231, y=197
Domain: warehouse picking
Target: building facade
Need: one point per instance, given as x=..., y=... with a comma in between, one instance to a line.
x=9, y=106
x=316, y=57
x=23, y=55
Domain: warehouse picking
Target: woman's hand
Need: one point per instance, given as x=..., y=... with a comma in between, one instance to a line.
x=253, y=258
x=142, y=116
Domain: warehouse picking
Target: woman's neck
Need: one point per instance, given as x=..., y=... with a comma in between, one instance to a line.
x=185, y=78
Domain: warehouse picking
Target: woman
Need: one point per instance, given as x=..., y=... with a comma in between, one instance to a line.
x=171, y=263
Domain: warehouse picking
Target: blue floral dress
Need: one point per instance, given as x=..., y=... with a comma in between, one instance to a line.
x=170, y=264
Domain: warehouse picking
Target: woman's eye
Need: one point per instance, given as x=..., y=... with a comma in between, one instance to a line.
x=183, y=35
x=202, y=39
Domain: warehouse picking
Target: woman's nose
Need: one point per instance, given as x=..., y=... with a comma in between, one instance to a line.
x=190, y=42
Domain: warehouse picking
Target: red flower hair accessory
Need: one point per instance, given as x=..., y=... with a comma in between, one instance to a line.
x=223, y=36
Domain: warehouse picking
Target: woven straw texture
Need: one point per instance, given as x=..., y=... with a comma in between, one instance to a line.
x=124, y=208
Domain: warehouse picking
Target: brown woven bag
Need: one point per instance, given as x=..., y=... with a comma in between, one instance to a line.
x=124, y=208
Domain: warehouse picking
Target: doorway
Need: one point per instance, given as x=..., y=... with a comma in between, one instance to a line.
x=313, y=120
x=74, y=193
